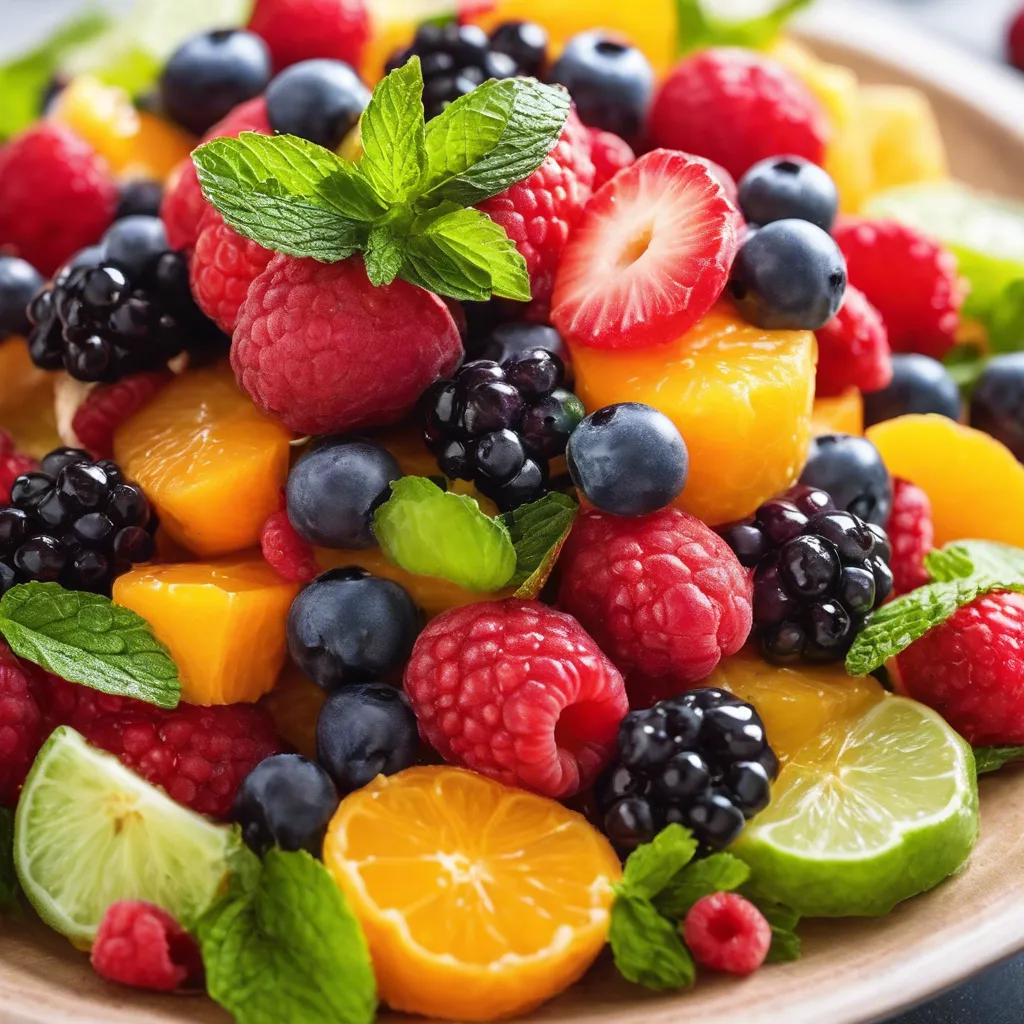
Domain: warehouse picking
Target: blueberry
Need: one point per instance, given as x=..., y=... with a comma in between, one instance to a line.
x=997, y=404
x=919, y=385
x=334, y=489
x=789, y=275
x=851, y=470
x=785, y=187
x=525, y=42
x=210, y=74
x=628, y=459
x=140, y=197
x=286, y=801
x=319, y=100
x=610, y=82
x=509, y=340
x=365, y=730
x=135, y=243
x=348, y=626
x=19, y=282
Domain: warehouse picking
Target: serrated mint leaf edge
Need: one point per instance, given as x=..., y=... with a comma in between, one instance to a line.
x=652, y=866
x=691, y=885
x=533, y=566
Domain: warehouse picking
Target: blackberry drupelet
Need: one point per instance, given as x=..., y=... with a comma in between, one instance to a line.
x=818, y=571
x=701, y=760
x=75, y=522
x=499, y=425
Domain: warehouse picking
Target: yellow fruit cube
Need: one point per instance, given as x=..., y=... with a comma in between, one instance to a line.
x=843, y=414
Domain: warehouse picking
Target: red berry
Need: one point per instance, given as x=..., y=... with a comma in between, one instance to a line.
x=649, y=257
x=517, y=691
x=297, y=30
x=107, y=406
x=140, y=944
x=538, y=213
x=1015, y=42
x=736, y=107
x=663, y=595
x=221, y=268
x=12, y=464
x=324, y=351
x=909, y=278
x=725, y=179
x=911, y=535
x=971, y=670
x=609, y=154
x=726, y=932
x=21, y=725
x=291, y=557
x=853, y=348
x=56, y=196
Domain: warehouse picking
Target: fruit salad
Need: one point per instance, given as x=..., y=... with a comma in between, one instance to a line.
x=482, y=483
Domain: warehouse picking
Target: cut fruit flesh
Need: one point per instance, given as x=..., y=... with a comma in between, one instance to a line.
x=843, y=414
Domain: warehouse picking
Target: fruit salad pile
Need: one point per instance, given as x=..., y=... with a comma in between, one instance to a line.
x=482, y=485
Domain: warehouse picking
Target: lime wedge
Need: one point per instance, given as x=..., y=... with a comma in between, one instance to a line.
x=876, y=811
x=89, y=832
x=986, y=233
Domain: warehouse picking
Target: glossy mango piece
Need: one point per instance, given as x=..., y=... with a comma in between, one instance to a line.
x=842, y=414
x=158, y=148
x=224, y=622
x=209, y=461
x=26, y=400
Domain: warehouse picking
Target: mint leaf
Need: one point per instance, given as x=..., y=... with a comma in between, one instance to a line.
x=8, y=876
x=290, y=950
x=383, y=256
x=720, y=872
x=783, y=921
x=651, y=866
x=966, y=364
x=697, y=30
x=432, y=532
x=392, y=130
x=963, y=558
x=991, y=759
x=647, y=948
x=87, y=639
x=1005, y=320
x=539, y=531
x=437, y=268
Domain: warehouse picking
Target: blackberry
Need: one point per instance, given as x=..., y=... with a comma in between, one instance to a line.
x=75, y=522
x=499, y=424
x=818, y=571
x=701, y=760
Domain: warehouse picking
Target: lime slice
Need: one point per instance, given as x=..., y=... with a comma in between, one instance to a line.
x=875, y=811
x=89, y=832
x=986, y=233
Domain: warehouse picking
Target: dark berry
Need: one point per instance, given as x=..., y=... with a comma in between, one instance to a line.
x=780, y=520
x=630, y=822
x=610, y=81
x=772, y=602
x=789, y=275
x=809, y=566
x=135, y=244
x=856, y=590
x=40, y=558
x=506, y=341
x=788, y=187
x=809, y=500
x=747, y=541
x=828, y=625
x=997, y=403
x=716, y=819
x=500, y=456
x=547, y=426
x=365, y=730
x=784, y=643
x=210, y=74
x=919, y=385
x=628, y=459
x=82, y=487
x=285, y=801
x=334, y=489
x=490, y=405
x=19, y=282
x=319, y=100
x=526, y=486
x=849, y=535
x=14, y=527
x=29, y=489
x=133, y=544
x=535, y=374
x=140, y=197
x=851, y=470
x=883, y=578
x=525, y=42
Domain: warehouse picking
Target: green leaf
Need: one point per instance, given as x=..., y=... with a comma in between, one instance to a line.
x=783, y=921
x=538, y=531
x=991, y=759
x=697, y=30
x=966, y=364
x=963, y=558
x=8, y=876
x=438, y=268
x=392, y=128
x=647, y=948
x=87, y=639
x=383, y=256
x=652, y=866
x=289, y=951
x=432, y=532
x=720, y=872
x=1005, y=320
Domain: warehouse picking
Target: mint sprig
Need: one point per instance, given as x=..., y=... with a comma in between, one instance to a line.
x=991, y=759
x=8, y=876
x=647, y=947
x=719, y=872
x=539, y=531
x=407, y=206
x=87, y=639
x=696, y=29
x=782, y=921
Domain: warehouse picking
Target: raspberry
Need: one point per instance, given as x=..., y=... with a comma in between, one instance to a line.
x=853, y=349
x=909, y=278
x=323, y=350
x=21, y=725
x=538, y=213
x=1015, y=42
x=609, y=154
x=107, y=406
x=297, y=30
x=12, y=465
x=971, y=670
x=737, y=107
x=291, y=557
x=222, y=266
x=663, y=596
x=726, y=932
x=516, y=691
x=911, y=535
x=141, y=945
x=56, y=196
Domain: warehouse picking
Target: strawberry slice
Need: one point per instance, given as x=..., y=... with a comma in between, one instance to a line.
x=649, y=256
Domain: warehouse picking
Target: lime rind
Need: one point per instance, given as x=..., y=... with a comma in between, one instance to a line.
x=89, y=832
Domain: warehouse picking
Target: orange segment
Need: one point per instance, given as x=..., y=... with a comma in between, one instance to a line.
x=223, y=621
x=210, y=463
x=158, y=148
x=843, y=414
x=26, y=400
x=975, y=485
x=741, y=397
x=478, y=901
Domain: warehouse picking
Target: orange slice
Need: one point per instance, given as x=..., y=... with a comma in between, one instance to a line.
x=478, y=901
